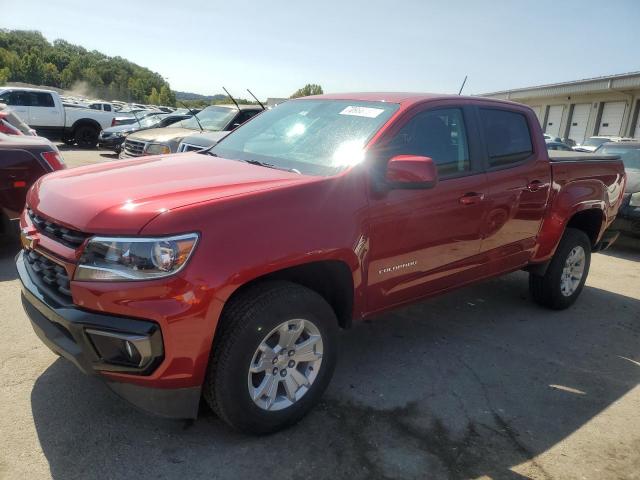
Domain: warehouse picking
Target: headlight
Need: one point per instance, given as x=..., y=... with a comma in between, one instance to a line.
x=119, y=258
x=157, y=149
x=634, y=201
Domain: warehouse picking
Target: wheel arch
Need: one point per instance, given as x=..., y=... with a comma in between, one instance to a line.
x=85, y=122
x=331, y=279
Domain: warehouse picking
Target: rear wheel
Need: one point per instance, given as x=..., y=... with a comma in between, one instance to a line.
x=86, y=136
x=273, y=356
x=564, y=279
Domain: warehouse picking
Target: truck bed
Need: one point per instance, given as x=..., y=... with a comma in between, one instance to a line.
x=560, y=156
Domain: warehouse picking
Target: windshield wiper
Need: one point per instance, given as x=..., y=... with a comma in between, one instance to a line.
x=270, y=165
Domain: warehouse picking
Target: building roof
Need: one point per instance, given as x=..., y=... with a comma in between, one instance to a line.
x=622, y=81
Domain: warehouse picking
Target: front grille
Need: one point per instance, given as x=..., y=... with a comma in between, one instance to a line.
x=133, y=148
x=187, y=147
x=66, y=236
x=52, y=275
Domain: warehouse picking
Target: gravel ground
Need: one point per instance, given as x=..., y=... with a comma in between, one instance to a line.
x=478, y=383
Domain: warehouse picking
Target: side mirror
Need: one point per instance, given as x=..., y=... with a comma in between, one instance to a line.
x=411, y=171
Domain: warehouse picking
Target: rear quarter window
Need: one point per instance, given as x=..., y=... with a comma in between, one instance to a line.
x=507, y=136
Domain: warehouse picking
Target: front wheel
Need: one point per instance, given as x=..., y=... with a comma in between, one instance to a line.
x=564, y=279
x=273, y=356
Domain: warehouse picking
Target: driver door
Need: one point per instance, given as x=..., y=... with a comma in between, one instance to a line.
x=424, y=241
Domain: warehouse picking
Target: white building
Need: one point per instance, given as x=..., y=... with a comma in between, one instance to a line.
x=607, y=106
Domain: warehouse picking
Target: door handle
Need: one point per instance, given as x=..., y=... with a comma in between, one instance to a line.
x=471, y=198
x=534, y=186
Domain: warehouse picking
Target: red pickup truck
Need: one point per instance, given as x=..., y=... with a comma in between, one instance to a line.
x=227, y=273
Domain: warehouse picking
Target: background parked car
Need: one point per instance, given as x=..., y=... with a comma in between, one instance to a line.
x=200, y=141
x=23, y=159
x=113, y=137
x=552, y=145
x=215, y=118
x=628, y=219
x=592, y=143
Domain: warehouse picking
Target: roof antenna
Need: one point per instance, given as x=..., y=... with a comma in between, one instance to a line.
x=232, y=99
x=462, y=86
x=259, y=102
x=193, y=114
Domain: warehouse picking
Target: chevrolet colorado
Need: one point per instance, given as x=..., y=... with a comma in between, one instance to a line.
x=227, y=273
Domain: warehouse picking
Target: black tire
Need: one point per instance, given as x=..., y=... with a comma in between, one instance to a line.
x=546, y=289
x=69, y=141
x=244, y=324
x=86, y=136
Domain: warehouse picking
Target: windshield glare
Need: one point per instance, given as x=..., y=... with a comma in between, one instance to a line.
x=315, y=137
x=629, y=156
x=211, y=118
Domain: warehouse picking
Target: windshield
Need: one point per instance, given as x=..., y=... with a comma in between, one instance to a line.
x=630, y=156
x=315, y=137
x=595, y=142
x=211, y=118
x=151, y=120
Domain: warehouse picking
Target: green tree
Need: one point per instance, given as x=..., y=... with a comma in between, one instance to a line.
x=5, y=73
x=31, y=69
x=307, y=90
x=51, y=76
x=27, y=56
x=153, y=97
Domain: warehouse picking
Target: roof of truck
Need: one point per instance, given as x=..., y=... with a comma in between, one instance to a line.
x=401, y=97
x=27, y=89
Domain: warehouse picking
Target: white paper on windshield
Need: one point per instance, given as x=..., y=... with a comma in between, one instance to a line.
x=362, y=111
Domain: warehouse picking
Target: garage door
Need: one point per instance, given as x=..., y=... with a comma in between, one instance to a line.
x=579, y=120
x=553, y=120
x=611, y=120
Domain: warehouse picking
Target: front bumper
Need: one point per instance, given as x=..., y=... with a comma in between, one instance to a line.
x=111, y=143
x=63, y=328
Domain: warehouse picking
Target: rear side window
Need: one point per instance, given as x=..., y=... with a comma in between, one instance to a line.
x=507, y=136
x=107, y=107
x=439, y=134
x=43, y=100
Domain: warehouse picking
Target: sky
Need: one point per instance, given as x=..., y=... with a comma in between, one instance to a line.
x=274, y=47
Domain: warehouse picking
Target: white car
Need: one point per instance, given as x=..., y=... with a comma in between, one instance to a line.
x=592, y=143
x=43, y=111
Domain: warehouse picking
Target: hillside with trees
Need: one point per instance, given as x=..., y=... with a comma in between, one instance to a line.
x=26, y=56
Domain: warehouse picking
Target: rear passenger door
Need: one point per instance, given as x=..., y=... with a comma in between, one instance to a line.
x=43, y=111
x=519, y=177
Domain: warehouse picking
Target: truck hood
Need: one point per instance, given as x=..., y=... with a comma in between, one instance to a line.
x=123, y=196
x=163, y=135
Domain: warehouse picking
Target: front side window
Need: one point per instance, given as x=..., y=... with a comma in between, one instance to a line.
x=16, y=99
x=438, y=134
x=507, y=136
x=315, y=137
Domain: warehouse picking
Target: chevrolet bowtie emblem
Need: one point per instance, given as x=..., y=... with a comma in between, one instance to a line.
x=28, y=240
